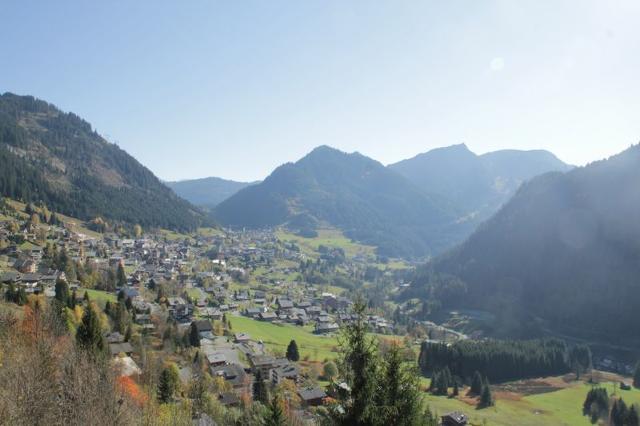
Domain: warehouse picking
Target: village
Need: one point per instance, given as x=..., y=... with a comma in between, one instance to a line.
x=186, y=291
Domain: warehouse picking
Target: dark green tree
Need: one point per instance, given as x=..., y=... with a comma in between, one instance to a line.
x=167, y=384
x=486, y=398
x=636, y=376
x=275, y=415
x=399, y=399
x=292, y=351
x=260, y=389
x=89, y=334
x=121, y=276
x=62, y=292
x=359, y=368
x=476, y=384
x=194, y=336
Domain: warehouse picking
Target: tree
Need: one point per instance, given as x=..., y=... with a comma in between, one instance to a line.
x=275, y=414
x=62, y=292
x=636, y=376
x=89, y=334
x=476, y=384
x=399, y=398
x=137, y=230
x=632, y=417
x=167, y=384
x=359, y=367
x=292, y=351
x=486, y=399
x=194, y=335
x=121, y=276
x=329, y=370
x=260, y=388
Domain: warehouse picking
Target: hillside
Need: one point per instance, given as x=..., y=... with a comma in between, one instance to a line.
x=564, y=250
x=57, y=158
x=478, y=184
x=207, y=192
x=369, y=202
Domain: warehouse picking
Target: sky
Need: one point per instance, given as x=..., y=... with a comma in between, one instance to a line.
x=236, y=88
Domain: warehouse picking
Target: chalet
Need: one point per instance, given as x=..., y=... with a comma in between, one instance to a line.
x=216, y=359
x=312, y=396
x=228, y=399
x=241, y=337
x=326, y=327
x=288, y=371
x=267, y=316
x=454, y=418
x=262, y=363
x=253, y=312
x=205, y=329
x=232, y=374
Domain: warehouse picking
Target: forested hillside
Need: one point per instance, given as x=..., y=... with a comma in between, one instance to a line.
x=369, y=202
x=206, y=192
x=563, y=254
x=56, y=158
x=477, y=184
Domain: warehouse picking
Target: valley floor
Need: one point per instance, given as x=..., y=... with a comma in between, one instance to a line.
x=553, y=401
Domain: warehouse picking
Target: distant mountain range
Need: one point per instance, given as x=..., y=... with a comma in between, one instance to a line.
x=368, y=201
x=414, y=208
x=477, y=184
x=563, y=253
x=57, y=158
x=207, y=192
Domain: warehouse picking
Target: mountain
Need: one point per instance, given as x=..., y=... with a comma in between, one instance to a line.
x=57, y=158
x=369, y=202
x=207, y=192
x=563, y=254
x=478, y=184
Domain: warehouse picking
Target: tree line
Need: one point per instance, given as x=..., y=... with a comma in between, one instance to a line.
x=503, y=360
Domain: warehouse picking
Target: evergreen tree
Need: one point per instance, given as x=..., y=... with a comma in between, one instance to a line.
x=62, y=292
x=194, y=336
x=21, y=296
x=127, y=334
x=486, y=399
x=359, y=367
x=167, y=384
x=121, y=276
x=476, y=384
x=89, y=334
x=399, y=396
x=292, y=351
x=260, y=388
x=636, y=376
x=275, y=415
x=456, y=391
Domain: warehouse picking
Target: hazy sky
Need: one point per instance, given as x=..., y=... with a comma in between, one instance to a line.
x=234, y=88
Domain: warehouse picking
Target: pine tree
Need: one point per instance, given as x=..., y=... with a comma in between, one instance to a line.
x=359, y=367
x=476, y=384
x=194, y=336
x=636, y=376
x=486, y=399
x=456, y=391
x=275, y=415
x=399, y=391
x=127, y=334
x=121, y=276
x=62, y=292
x=260, y=388
x=89, y=334
x=292, y=351
x=167, y=384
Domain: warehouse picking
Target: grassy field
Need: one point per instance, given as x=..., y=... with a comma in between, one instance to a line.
x=276, y=337
x=326, y=237
x=102, y=297
x=560, y=407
